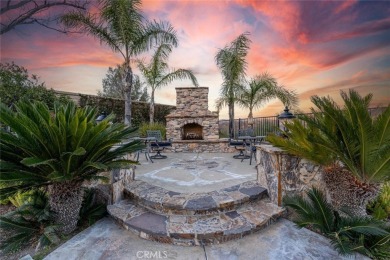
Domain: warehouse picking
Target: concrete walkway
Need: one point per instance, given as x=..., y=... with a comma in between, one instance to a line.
x=280, y=241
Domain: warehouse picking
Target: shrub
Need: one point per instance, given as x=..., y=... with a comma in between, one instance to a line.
x=154, y=126
x=59, y=150
x=91, y=211
x=139, y=110
x=349, y=135
x=16, y=84
x=32, y=221
x=348, y=233
x=380, y=207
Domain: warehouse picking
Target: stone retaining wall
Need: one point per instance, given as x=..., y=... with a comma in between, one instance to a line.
x=283, y=174
x=111, y=191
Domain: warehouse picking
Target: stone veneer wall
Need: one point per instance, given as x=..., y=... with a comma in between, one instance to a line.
x=283, y=174
x=200, y=146
x=111, y=192
x=192, y=107
x=121, y=178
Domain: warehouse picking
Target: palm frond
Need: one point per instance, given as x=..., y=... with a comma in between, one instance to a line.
x=177, y=74
x=30, y=221
x=93, y=27
x=154, y=33
x=315, y=211
x=90, y=210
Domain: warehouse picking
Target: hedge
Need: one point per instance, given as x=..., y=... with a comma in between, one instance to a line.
x=139, y=110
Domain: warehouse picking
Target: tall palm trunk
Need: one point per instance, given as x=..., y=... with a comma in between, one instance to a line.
x=231, y=120
x=250, y=115
x=151, y=109
x=128, y=84
x=65, y=201
x=346, y=191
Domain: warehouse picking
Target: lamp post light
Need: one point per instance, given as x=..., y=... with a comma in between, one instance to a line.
x=285, y=116
x=100, y=117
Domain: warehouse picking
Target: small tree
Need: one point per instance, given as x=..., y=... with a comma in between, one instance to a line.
x=262, y=88
x=113, y=88
x=16, y=84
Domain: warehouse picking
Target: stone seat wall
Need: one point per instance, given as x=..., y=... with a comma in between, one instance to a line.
x=200, y=146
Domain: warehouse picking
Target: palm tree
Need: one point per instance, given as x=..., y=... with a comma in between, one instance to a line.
x=123, y=28
x=231, y=61
x=263, y=88
x=59, y=150
x=156, y=73
x=348, y=135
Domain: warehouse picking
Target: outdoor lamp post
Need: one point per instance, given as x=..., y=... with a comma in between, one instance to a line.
x=100, y=117
x=284, y=117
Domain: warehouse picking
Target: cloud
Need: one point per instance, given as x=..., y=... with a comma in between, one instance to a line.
x=312, y=46
x=367, y=28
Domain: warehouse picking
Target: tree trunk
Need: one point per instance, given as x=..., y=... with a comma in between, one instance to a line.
x=65, y=200
x=231, y=120
x=250, y=115
x=346, y=191
x=128, y=83
x=151, y=109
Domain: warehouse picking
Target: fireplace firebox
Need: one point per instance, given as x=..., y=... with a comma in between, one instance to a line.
x=192, y=131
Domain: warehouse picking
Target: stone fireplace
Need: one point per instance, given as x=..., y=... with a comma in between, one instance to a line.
x=192, y=120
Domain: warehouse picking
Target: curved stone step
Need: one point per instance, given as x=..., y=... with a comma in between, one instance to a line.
x=160, y=200
x=196, y=230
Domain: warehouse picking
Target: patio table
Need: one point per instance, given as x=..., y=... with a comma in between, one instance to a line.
x=147, y=141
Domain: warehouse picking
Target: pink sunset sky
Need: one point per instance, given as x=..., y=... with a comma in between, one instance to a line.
x=314, y=48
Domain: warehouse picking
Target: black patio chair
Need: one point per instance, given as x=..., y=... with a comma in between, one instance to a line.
x=158, y=145
x=239, y=145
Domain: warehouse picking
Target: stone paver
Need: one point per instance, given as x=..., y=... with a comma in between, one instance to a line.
x=164, y=201
x=107, y=240
x=192, y=172
x=196, y=229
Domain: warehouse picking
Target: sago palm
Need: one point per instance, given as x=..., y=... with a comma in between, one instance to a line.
x=157, y=74
x=348, y=135
x=231, y=60
x=120, y=25
x=58, y=150
x=348, y=234
x=31, y=221
x=263, y=88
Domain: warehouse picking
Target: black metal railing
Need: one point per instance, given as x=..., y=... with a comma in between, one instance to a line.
x=268, y=124
x=261, y=126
